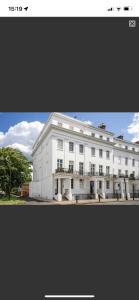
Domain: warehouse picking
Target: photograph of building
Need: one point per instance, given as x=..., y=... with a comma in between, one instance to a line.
x=75, y=160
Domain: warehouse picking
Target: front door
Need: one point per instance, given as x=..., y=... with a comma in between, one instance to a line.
x=91, y=187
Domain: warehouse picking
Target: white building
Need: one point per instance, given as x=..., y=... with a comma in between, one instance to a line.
x=73, y=159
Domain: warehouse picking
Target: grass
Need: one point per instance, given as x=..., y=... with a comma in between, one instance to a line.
x=11, y=201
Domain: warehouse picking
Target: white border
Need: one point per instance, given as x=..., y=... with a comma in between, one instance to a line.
x=70, y=8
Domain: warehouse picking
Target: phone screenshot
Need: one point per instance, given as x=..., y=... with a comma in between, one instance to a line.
x=69, y=149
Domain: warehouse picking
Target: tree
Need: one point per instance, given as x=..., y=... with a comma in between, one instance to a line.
x=14, y=169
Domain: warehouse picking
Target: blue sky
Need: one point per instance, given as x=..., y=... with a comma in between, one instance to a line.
x=115, y=122
x=20, y=130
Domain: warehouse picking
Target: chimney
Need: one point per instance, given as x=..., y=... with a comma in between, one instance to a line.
x=121, y=137
x=102, y=126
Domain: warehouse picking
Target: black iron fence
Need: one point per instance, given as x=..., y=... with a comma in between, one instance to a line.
x=83, y=196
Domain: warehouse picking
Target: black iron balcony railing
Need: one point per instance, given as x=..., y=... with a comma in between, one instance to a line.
x=91, y=173
x=123, y=176
x=81, y=172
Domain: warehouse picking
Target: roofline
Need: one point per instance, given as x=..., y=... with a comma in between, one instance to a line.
x=125, y=141
x=58, y=114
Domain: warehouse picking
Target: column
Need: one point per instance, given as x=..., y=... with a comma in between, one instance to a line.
x=127, y=189
x=95, y=189
x=122, y=189
x=103, y=189
x=59, y=196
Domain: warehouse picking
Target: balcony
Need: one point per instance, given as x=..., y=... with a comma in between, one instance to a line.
x=80, y=173
x=123, y=176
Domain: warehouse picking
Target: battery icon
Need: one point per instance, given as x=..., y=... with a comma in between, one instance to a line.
x=127, y=8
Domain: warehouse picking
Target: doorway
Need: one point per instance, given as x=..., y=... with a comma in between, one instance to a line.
x=91, y=187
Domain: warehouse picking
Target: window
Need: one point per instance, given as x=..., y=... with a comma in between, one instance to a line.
x=93, y=134
x=71, y=128
x=81, y=131
x=72, y=183
x=59, y=163
x=126, y=147
x=100, y=170
x=133, y=149
x=100, y=153
x=133, y=162
x=126, y=172
x=81, y=183
x=108, y=139
x=107, y=170
x=119, y=172
x=107, y=185
x=93, y=150
x=71, y=166
x=81, y=148
x=59, y=144
x=133, y=174
x=100, y=184
x=80, y=168
x=71, y=146
x=126, y=161
x=92, y=169
x=101, y=137
x=119, y=160
x=107, y=154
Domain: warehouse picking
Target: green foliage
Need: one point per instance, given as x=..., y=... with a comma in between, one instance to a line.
x=14, y=169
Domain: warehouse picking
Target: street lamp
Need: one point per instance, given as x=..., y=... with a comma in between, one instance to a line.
x=133, y=190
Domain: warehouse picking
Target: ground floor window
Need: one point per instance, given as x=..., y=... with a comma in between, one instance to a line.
x=119, y=172
x=126, y=172
x=72, y=183
x=107, y=185
x=81, y=183
x=100, y=184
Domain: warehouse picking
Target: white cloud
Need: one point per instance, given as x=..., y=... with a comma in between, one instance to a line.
x=21, y=136
x=133, y=128
x=88, y=122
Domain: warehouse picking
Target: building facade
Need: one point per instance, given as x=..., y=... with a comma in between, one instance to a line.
x=72, y=159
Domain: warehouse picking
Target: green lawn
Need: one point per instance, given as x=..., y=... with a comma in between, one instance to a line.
x=12, y=201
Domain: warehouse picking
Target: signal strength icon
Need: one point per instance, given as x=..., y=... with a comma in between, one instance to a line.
x=110, y=9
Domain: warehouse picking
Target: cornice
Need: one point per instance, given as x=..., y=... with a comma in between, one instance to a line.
x=59, y=128
x=82, y=135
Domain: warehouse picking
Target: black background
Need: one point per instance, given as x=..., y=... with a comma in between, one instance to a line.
x=69, y=64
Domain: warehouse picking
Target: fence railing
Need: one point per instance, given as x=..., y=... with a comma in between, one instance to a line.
x=81, y=172
x=92, y=173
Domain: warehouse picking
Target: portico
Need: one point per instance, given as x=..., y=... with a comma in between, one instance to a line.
x=62, y=187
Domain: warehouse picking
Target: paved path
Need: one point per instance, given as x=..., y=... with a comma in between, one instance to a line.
x=83, y=202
